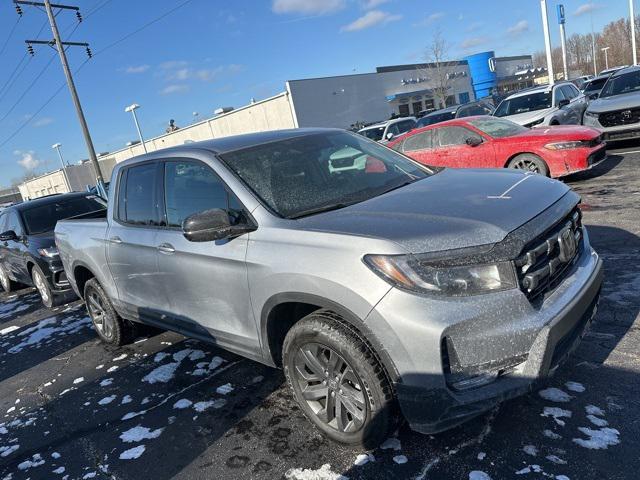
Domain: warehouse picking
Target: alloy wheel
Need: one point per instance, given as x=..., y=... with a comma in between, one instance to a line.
x=101, y=320
x=41, y=286
x=331, y=387
x=4, y=279
x=527, y=165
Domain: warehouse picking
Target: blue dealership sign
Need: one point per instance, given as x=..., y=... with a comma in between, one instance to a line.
x=561, y=16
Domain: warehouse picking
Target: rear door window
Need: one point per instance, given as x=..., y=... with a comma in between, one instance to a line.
x=14, y=223
x=420, y=141
x=140, y=198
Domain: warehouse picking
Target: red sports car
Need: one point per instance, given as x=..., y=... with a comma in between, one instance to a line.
x=490, y=142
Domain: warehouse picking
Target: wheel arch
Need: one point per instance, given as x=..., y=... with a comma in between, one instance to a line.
x=293, y=306
x=81, y=274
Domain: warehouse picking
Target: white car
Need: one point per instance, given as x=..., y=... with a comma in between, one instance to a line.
x=385, y=131
x=560, y=104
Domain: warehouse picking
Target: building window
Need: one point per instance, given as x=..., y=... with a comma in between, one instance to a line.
x=404, y=110
x=417, y=107
x=430, y=104
x=450, y=101
x=464, y=97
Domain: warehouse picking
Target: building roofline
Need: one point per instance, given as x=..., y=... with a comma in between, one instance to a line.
x=419, y=66
x=514, y=57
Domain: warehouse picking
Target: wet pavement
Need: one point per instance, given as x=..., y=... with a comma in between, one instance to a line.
x=166, y=407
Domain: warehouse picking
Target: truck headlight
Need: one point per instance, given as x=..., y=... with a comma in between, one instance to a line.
x=50, y=252
x=411, y=272
x=589, y=114
x=533, y=124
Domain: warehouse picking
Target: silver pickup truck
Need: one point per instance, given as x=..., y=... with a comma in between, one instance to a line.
x=386, y=290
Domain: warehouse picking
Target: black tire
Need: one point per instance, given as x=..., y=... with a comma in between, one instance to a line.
x=529, y=162
x=110, y=327
x=362, y=410
x=41, y=283
x=6, y=283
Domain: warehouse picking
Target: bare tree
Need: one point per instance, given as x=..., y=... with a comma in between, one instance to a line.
x=438, y=68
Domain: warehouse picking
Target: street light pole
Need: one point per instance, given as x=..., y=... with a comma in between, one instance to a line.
x=132, y=108
x=56, y=146
x=547, y=41
x=606, y=56
x=633, y=32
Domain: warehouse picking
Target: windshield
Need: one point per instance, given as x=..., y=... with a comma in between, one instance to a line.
x=595, y=85
x=434, y=118
x=373, y=133
x=626, y=83
x=524, y=104
x=497, y=128
x=43, y=218
x=309, y=174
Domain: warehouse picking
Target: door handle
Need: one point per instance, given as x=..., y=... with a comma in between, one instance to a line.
x=166, y=248
x=115, y=240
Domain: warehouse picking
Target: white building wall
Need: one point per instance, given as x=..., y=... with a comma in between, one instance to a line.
x=342, y=101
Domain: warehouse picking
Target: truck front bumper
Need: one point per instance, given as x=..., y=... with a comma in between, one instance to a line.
x=485, y=330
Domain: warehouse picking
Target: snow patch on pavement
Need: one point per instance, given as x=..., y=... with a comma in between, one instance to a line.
x=598, y=439
x=139, y=433
x=132, y=453
x=575, y=387
x=557, y=413
x=400, y=459
x=107, y=400
x=555, y=395
x=391, y=443
x=530, y=450
x=45, y=332
x=363, y=459
x=224, y=389
x=478, y=475
x=182, y=403
x=322, y=473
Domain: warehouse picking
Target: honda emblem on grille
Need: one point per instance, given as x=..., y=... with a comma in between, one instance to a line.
x=567, y=245
x=626, y=115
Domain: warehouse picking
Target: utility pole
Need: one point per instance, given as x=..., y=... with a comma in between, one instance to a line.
x=563, y=37
x=547, y=41
x=633, y=32
x=60, y=46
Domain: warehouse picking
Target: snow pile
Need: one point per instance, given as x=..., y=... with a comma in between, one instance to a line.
x=322, y=473
x=557, y=414
x=598, y=439
x=7, y=450
x=132, y=453
x=555, y=395
x=35, y=461
x=363, y=459
x=139, y=433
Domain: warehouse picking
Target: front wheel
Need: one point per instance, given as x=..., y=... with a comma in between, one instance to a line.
x=338, y=381
x=110, y=327
x=530, y=163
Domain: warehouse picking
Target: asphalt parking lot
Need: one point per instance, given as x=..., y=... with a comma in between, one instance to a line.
x=165, y=407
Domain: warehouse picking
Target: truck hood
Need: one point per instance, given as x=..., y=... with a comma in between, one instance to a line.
x=452, y=209
x=617, y=102
x=529, y=117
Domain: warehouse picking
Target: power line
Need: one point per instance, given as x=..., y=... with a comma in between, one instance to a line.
x=13, y=29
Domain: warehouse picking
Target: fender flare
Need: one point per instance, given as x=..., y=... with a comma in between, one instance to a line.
x=348, y=316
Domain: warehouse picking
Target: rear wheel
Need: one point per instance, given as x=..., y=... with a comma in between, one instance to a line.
x=338, y=381
x=111, y=328
x=530, y=163
x=8, y=285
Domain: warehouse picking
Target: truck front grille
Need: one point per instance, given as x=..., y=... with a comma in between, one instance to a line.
x=621, y=117
x=546, y=261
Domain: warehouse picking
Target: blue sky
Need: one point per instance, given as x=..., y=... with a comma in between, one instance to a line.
x=213, y=53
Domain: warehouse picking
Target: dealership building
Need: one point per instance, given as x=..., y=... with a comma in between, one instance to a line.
x=338, y=102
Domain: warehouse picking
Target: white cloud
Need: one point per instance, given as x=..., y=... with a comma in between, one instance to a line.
x=136, y=69
x=202, y=74
x=429, y=20
x=43, y=122
x=586, y=8
x=520, y=27
x=473, y=42
x=28, y=160
x=370, y=19
x=369, y=4
x=171, y=64
x=174, y=88
x=307, y=7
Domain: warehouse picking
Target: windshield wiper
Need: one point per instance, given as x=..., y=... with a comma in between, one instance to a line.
x=323, y=208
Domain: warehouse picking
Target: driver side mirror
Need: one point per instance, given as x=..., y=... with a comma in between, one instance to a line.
x=8, y=236
x=473, y=141
x=594, y=96
x=212, y=225
x=389, y=136
x=563, y=103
